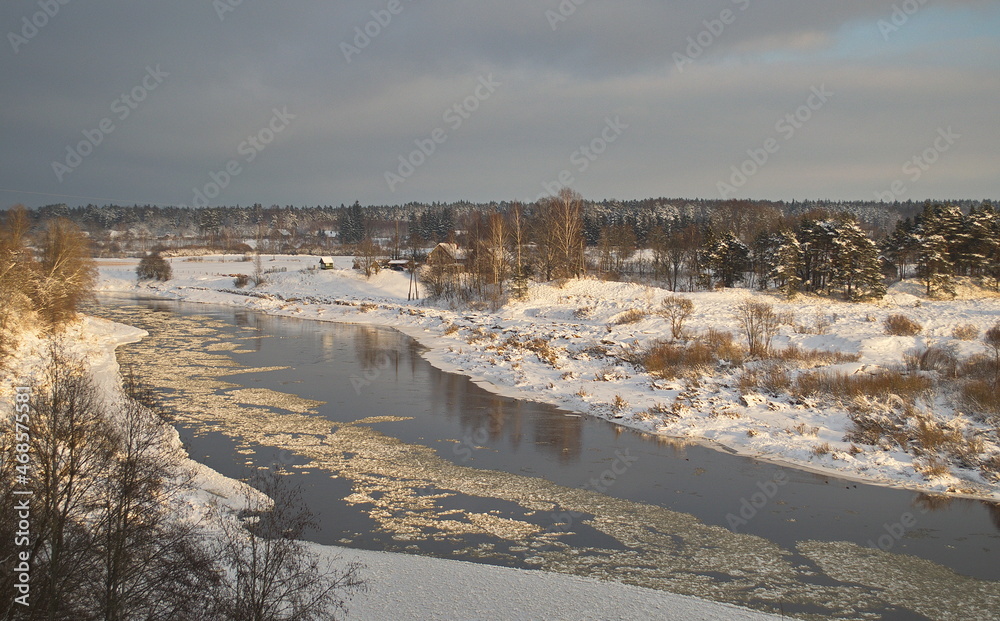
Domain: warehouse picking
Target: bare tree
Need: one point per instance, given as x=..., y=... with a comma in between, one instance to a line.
x=368, y=253
x=760, y=324
x=273, y=575
x=518, y=238
x=66, y=272
x=677, y=309
x=70, y=444
x=17, y=276
x=495, y=247
x=559, y=234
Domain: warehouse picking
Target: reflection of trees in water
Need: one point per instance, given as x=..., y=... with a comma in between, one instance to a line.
x=932, y=502
x=994, y=510
x=561, y=434
x=938, y=502
x=377, y=349
x=244, y=319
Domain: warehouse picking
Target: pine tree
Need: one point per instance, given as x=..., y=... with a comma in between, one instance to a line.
x=729, y=259
x=787, y=264
x=855, y=263
x=901, y=247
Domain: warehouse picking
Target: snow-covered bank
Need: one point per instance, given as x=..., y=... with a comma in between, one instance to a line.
x=400, y=586
x=420, y=588
x=567, y=346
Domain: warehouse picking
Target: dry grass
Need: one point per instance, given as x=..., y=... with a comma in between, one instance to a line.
x=619, y=404
x=543, y=350
x=965, y=332
x=450, y=329
x=822, y=449
x=934, y=358
x=723, y=346
x=990, y=468
x=769, y=377
x=981, y=396
x=901, y=325
x=670, y=360
x=630, y=316
x=367, y=307
x=883, y=385
x=931, y=467
x=871, y=427
x=813, y=357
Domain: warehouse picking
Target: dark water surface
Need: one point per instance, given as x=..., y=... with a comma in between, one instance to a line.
x=360, y=372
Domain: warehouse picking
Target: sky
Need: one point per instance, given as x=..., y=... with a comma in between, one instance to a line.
x=225, y=102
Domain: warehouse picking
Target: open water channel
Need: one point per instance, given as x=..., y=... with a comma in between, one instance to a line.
x=397, y=455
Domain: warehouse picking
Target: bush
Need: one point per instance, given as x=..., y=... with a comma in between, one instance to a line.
x=677, y=309
x=760, y=324
x=770, y=377
x=154, y=267
x=901, y=325
x=241, y=280
x=668, y=360
x=630, y=316
x=934, y=358
x=965, y=332
x=880, y=385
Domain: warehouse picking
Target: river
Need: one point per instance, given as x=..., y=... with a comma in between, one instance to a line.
x=397, y=455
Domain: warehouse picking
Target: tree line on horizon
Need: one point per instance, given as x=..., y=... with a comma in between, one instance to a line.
x=814, y=247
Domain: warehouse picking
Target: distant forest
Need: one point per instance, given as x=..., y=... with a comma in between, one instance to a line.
x=850, y=249
x=437, y=222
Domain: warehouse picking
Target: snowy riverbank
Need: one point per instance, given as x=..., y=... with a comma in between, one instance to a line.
x=400, y=586
x=565, y=346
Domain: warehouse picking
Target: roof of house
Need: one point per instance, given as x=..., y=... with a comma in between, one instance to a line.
x=459, y=254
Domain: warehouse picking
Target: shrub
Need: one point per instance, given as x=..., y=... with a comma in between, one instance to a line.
x=668, y=360
x=884, y=384
x=814, y=357
x=771, y=377
x=981, y=396
x=760, y=324
x=241, y=280
x=630, y=316
x=154, y=267
x=620, y=404
x=677, y=309
x=992, y=340
x=723, y=347
x=934, y=358
x=965, y=332
x=901, y=325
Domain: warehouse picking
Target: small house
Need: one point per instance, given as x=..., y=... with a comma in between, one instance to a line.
x=326, y=263
x=447, y=254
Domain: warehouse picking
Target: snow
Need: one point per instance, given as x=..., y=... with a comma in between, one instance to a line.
x=563, y=345
x=420, y=588
x=400, y=587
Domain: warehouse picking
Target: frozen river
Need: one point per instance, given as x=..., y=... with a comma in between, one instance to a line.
x=397, y=455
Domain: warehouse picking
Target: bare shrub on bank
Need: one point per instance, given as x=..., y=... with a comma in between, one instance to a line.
x=760, y=325
x=677, y=309
x=901, y=325
x=274, y=576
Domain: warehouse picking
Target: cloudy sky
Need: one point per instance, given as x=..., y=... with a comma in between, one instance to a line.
x=391, y=101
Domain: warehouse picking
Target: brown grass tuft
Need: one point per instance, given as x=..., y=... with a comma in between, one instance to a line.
x=630, y=316
x=901, y=325
x=965, y=332
x=881, y=385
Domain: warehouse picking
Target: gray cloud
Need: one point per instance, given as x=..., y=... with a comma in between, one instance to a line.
x=354, y=119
